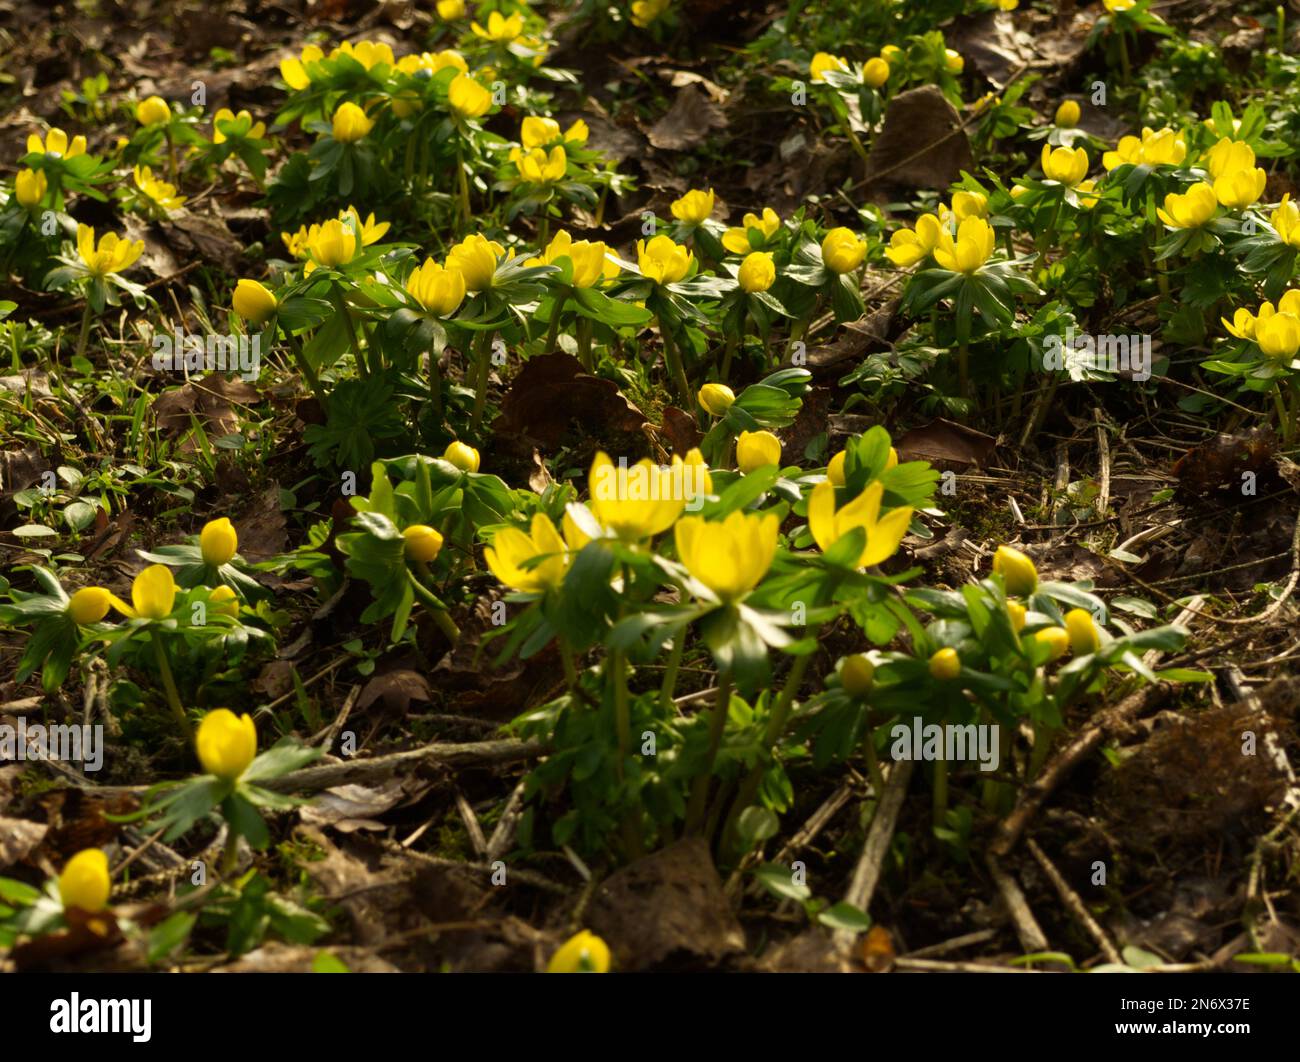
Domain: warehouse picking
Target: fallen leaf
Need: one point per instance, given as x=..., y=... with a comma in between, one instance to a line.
x=688, y=122
x=922, y=143
x=945, y=443
x=552, y=391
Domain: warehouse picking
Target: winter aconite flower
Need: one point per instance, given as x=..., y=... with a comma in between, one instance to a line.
x=350, y=123
x=662, y=260
x=1285, y=221
x=423, y=543
x=835, y=468
x=85, y=883
x=970, y=250
x=499, y=30
x=843, y=250
x=538, y=167
x=294, y=71
x=1156, y=148
x=1114, y=6
x=450, y=10
x=218, y=542
x=1017, y=614
x=1278, y=336
x=728, y=556
x=111, y=255
x=256, y=130
x=475, y=257
x=226, y=743
x=823, y=62
x=1067, y=166
x=583, y=953
x=737, y=240
x=56, y=143
x=30, y=187
x=1240, y=188
x=1067, y=114
x=590, y=259
x=438, y=290
x=1082, y=630
x=1190, y=210
x=907, y=246
x=332, y=245
x=757, y=449
x=1018, y=572
x=153, y=111
x=757, y=272
x=1057, y=639
x=953, y=61
x=945, y=665
x=253, y=302
x=468, y=98
x=883, y=534
x=967, y=204
x=857, y=675
x=89, y=605
x=694, y=207
x=543, y=132
x=160, y=192
x=153, y=594
x=634, y=502
x=224, y=601
x=716, y=398
x=875, y=72
x=533, y=562
x=462, y=455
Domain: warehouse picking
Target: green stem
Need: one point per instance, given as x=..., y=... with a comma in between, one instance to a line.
x=963, y=370
x=669, y=687
x=725, y=372
x=584, y=344
x=437, y=611
x=717, y=724
x=340, y=305
x=169, y=687
x=570, y=670
x=85, y=331
x=229, y=853
x=463, y=181
x=553, y=330
x=305, y=367
x=482, y=366
x=675, y=370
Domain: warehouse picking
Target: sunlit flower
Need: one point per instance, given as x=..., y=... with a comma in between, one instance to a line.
x=332, y=245
x=635, y=502
x=111, y=255
x=85, y=883
x=462, y=456
x=1081, y=628
x=736, y=239
x=351, y=123
x=499, y=30
x=694, y=207
x=294, y=71
x=511, y=551
x=1238, y=189
x=161, y=192
x=256, y=130
x=56, y=143
x=1067, y=166
x=438, y=290
x=875, y=72
x=1057, y=639
x=1278, y=336
x=451, y=9
x=1190, y=210
x=1018, y=572
x=368, y=53
x=252, y=301
x=945, y=665
x=1114, y=6
x=226, y=743
x=1285, y=221
x=1242, y=324
x=542, y=132
x=728, y=556
x=89, y=605
x=1068, y=114
x=467, y=97
x=153, y=594
x=883, y=533
x=970, y=250
x=475, y=257
x=953, y=61
x=590, y=259
x=218, y=542
x=30, y=187
x=757, y=449
x=757, y=272
x=422, y=543
x=662, y=260
x=582, y=953
x=716, y=398
x=224, y=601
x=907, y=246
x=843, y=250
x=857, y=674
x=538, y=167
x=153, y=111
x=823, y=62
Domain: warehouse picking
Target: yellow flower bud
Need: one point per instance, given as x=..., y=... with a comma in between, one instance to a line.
x=423, y=543
x=843, y=251
x=716, y=398
x=462, y=455
x=1017, y=571
x=226, y=743
x=253, y=302
x=835, y=470
x=757, y=272
x=1056, y=638
x=224, y=601
x=84, y=883
x=756, y=449
x=1068, y=114
x=945, y=665
x=153, y=111
x=218, y=542
x=475, y=258
x=891, y=53
x=1016, y=613
x=876, y=72
x=582, y=953
x=1084, y=638
x=351, y=123
x=468, y=98
x=89, y=605
x=438, y=290
x=857, y=674
x=30, y=187
x=953, y=62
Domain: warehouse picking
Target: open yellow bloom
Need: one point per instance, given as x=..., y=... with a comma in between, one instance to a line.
x=256, y=130
x=89, y=605
x=875, y=72
x=369, y=230
x=153, y=594
x=1238, y=189
x=1162, y=148
x=351, y=123
x=161, y=192
x=537, y=167
x=969, y=205
x=1278, y=336
x=112, y=254
x=635, y=502
x=1285, y=221
x=218, y=542
x=757, y=449
x=716, y=398
x=422, y=543
x=56, y=143
x=85, y=883
x=824, y=61
x=152, y=111
x=582, y=953
x=843, y=250
x=736, y=239
x=438, y=290
x=332, y=245
x=590, y=259
x=728, y=556
x=907, y=246
x=511, y=550
x=1242, y=324
x=475, y=258
x=499, y=30
x=662, y=260
x=694, y=207
x=226, y=743
x=30, y=187
x=368, y=53
x=294, y=71
x=1067, y=166
x=1087, y=195
x=1018, y=572
x=451, y=9
x=1229, y=155
x=757, y=272
x=252, y=301
x=541, y=132
x=883, y=533
x=468, y=98
x=1190, y=210
x=1068, y=114
x=971, y=249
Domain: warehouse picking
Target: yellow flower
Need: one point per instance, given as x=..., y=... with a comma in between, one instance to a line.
x=351, y=123
x=423, y=543
x=451, y=9
x=537, y=167
x=160, y=192
x=1242, y=324
x=1057, y=639
x=30, y=187
x=218, y=541
x=843, y=250
x=590, y=260
x=332, y=245
x=153, y=593
x=462, y=455
x=757, y=272
x=84, y=883
x=1017, y=613
x=89, y=605
x=1118, y=5
x=1240, y=188
x=583, y=953
x=728, y=556
x=499, y=30
x=475, y=257
x=226, y=743
x=857, y=674
x=111, y=255
x=1190, y=210
x=694, y=207
x=369, y=230
x=1018, y=572
x=971, y=249
x=1068, y=166
x=757, y=449
x=883, y=533
x=736, y=240
x=253, y=302
x=368, y=53
x=835, y=470
x=636, y=502
x=969, y=205
x=824, y=61
x=1068, y=114
x=716, y=398
x=1285, y=220
x=646, y=11
x=953, y=61
x=696, y=480
x=468, y=98
x=662, y=260
x=224, y=601
x=907, y=247
x=1278, y=335
x=153, y=111
x=294, y=71
x=876, y=72
x=1229, y=155
x=1082, y=630
x=256, y=130
x=56, y=143
x=1165, y=148
x=437, y=289
x=945, y=665
x=1086, y=194
x=511, y=550
x=540, y=132
x=891, y=53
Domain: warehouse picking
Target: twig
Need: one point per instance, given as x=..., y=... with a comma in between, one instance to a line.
x=1031, y=935
x=1071, y=900
x=866, y=874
